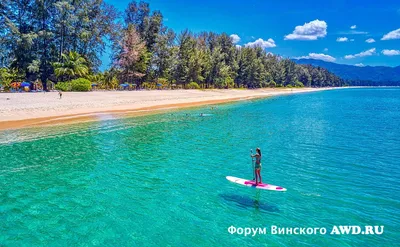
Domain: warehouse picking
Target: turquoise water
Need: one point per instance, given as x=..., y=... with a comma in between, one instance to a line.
x=160, y=180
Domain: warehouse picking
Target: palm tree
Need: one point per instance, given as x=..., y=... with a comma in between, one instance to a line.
x=73, y=65
x=110, y=79
x=97, y=78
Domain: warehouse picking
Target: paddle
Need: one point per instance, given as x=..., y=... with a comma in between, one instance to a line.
x=252, y=165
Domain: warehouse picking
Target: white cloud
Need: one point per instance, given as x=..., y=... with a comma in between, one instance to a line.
x=319, y=56
x=235, y=38
x=370, y=40
x=326, y=49
x=309, y=31
x=262, y=43
x=395, y=34
x=391, y=52
x=353, y=32
x=322, y=56
x=357, y=32
x=366, y=53
x=238, y=46
x=353, y=27
x=359, y=65
x=342, y=39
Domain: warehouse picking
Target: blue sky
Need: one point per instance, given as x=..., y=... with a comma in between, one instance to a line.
x=295, y=28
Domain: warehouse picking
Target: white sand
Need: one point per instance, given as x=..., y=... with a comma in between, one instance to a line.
x=23, y=106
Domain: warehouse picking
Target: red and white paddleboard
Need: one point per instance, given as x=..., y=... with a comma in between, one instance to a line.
x=252, y=183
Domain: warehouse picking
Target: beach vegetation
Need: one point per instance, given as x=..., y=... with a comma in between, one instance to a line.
x=193, y=85
x=77, y=85
x=229, y=82
x=110, y=80
x=7, y=76
x=162, y=81
x=298, y=84
x=132, y=57
x=63, y=86
x=72, y=66
x=272, y=84
x=81, y=85
x=96, y=78
x=65, y=40
x=148, y=85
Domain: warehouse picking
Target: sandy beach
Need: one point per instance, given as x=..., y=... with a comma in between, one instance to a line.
x=18, y=110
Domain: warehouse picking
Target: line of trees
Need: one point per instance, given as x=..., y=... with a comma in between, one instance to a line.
x=62, y=40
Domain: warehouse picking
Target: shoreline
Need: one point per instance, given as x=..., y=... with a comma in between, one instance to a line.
x=45, y=109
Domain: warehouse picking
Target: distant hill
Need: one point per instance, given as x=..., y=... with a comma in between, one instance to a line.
x=381, y=75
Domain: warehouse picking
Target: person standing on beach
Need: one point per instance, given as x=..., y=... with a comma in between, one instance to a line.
x=60, y=94
x=257, y=166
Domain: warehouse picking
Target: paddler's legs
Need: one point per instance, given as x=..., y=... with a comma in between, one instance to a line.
x=258, y=175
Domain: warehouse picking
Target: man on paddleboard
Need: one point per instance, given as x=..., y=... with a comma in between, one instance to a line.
x=257, y=166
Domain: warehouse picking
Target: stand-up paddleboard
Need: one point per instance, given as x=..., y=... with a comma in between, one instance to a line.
x=251, y=183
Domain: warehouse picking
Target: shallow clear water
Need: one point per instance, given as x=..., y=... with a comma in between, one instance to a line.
x=160, y=180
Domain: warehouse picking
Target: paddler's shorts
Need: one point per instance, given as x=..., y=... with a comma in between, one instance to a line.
x=257, y=166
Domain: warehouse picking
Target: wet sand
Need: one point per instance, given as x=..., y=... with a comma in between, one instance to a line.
x=19, y=110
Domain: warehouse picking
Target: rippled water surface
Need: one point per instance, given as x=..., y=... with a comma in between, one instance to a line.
x=160, y=180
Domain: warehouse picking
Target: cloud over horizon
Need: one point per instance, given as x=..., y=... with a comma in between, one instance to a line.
x=318, y=56
x=309, y=31
x=353, y=27
x=270, y=43
x=366, y=53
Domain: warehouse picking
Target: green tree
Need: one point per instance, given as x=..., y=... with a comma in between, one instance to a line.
x=304, y=75
x=138, y=15
x=132, y=57
x=97, y=78
x=73, y=65
x=18, y=36
x=185, y=53
x=64, y=21
x=35, y=33
x=153, y=30
x=164, y=55
x=7, y=76
x=110, y=79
